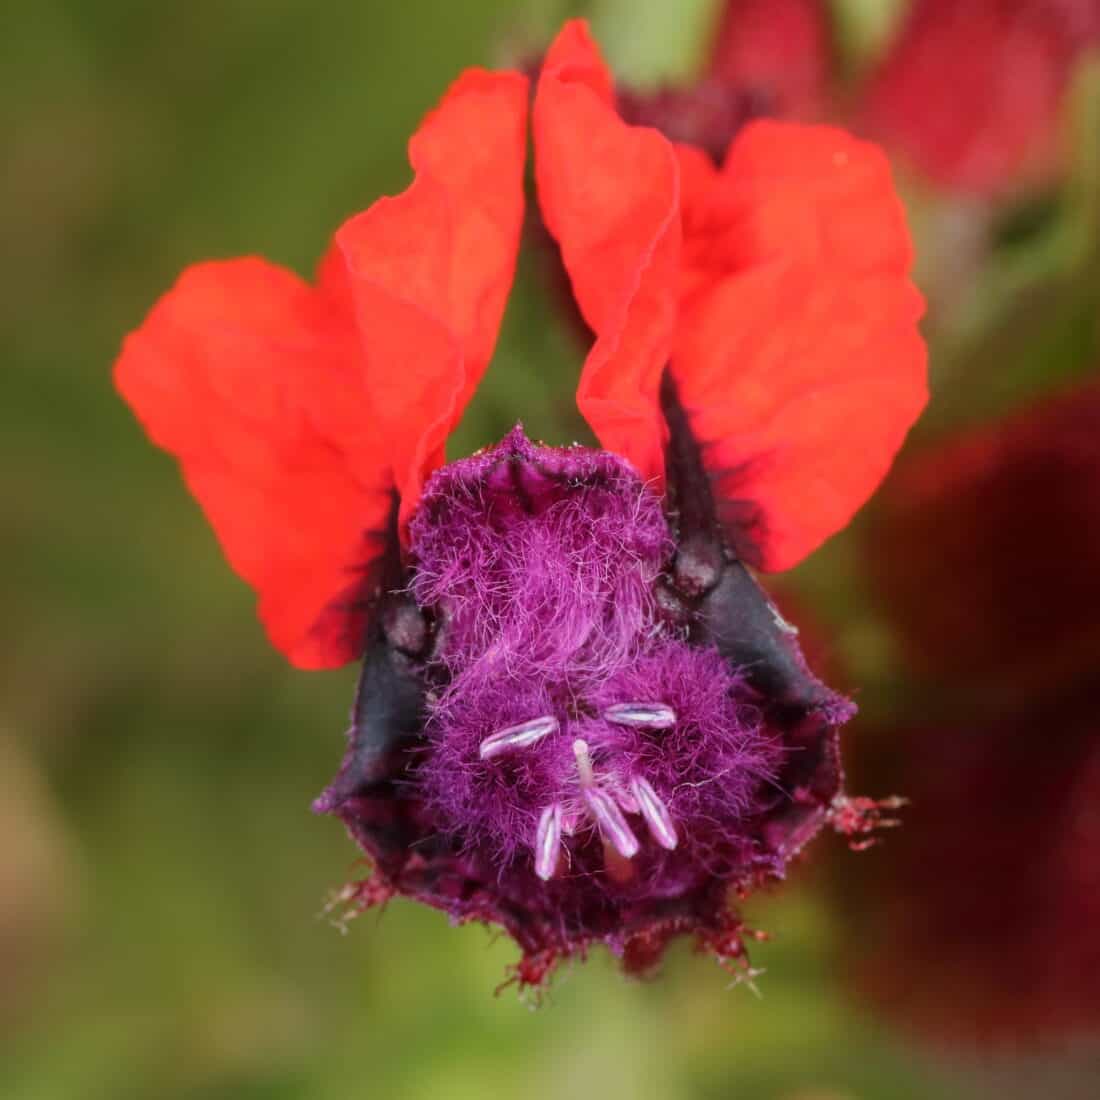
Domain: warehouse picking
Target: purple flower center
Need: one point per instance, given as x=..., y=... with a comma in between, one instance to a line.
x=572, y=733
x=576, y=726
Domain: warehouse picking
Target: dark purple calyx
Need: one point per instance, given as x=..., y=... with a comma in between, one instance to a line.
x=571, y=727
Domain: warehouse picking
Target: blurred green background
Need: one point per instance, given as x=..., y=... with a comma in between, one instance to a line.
x=161, y=877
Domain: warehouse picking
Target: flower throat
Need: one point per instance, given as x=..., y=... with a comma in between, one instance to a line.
x=571, y=729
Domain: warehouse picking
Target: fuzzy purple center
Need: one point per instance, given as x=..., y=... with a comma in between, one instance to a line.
x=572, y=732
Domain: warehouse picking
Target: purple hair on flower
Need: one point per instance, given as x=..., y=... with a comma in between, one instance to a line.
x=569, y=708
x=576, y=725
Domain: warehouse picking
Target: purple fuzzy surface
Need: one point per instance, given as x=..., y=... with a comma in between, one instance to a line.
x=540, y=566
x=544, y=576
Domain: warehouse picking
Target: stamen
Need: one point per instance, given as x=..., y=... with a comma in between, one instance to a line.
x=655, y=812
x=517, y=737
x=584, y=762
x=612, y=824
x=646, y=716
x=548, y=842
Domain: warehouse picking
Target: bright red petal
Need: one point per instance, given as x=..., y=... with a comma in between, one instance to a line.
x=251, y=378
x=798, y=358
x=431, y=268
x=262, y=386
x=610, y=196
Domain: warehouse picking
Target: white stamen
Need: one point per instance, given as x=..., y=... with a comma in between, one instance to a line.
x=584, y=762
x=612, y=824
x=655, y=812
x=548, y=842
x=646, y=716
x=517, y=737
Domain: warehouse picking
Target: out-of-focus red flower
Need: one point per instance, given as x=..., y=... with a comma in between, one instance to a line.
x=756, y=365
x=769, y=59
x=979, y=923
x=970, y=94
x=987, y=553
x=707, y=114
x=781, y=50
x=976, y=924
x=972, y=91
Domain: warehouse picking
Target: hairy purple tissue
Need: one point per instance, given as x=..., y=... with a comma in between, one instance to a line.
x=579, y=721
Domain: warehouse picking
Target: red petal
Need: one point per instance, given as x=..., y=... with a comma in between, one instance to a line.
x=251, y=378
x=610, y=196
x=431, y=269
x=798, y=359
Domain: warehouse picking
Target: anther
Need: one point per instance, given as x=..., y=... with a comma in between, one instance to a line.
x=517, y=737
x=646, y=716
x=613, y=826
x=548, y=842
x=653, y=809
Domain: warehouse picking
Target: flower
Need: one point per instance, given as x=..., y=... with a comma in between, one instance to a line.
x=578, y=715
x=1002, y=523
x=977, y=928
x=987, y=557
x=993, y=126
x=989, y=131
